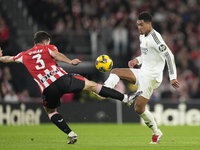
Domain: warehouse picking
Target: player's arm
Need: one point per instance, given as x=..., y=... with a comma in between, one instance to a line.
x=61, y=57
x=137, y=60
x=6, y=59
x=169, y=57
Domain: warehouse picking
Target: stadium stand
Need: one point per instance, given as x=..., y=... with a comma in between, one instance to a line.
x=83, y=29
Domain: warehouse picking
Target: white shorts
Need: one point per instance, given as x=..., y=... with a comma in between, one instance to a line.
x=145, y=84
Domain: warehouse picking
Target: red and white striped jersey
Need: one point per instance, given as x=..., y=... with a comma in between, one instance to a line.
x=41, y=64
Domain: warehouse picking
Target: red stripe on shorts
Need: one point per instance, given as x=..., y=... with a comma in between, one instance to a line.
x=79, y=77
x=45, y=103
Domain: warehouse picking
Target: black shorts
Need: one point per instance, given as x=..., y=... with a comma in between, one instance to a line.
x=68, y=83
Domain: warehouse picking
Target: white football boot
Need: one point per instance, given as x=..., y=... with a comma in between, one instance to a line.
x=131, y=98
x=156, y=137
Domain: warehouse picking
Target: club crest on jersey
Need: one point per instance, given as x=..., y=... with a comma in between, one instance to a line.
x=146, y=43
x=162, y=48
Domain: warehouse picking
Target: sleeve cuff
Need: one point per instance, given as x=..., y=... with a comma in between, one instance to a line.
x=139, y=60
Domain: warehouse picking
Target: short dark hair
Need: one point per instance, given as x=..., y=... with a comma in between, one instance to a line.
x=40, y=36
x=145, y=16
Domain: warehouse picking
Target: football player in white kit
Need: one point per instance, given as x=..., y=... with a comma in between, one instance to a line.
x=154, y=53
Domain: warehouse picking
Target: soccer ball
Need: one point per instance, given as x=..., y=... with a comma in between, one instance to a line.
x=104, y=63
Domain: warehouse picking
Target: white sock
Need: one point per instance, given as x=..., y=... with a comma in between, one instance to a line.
x=149, y=120
x=125, y=98
x=71, y=133
x=112, y=81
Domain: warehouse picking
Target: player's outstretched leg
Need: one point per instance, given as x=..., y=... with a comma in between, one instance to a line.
x=112, y=93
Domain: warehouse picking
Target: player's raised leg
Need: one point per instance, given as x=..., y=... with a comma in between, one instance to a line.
x=126, y=75
x=117, y=74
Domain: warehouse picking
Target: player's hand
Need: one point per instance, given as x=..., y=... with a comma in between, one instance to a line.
x=75, y=61
x=175, y=83
x=132, y=63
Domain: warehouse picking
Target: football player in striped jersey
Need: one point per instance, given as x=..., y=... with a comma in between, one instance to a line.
x=53, y=81
x=154, y=53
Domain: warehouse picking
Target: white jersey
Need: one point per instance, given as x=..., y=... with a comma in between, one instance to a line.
x=154, y=52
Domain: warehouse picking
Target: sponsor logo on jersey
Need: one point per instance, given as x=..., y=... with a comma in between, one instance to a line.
x=144, y=50
x=162, y=48
x=47, y=76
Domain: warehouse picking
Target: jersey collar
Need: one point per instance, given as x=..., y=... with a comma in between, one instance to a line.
x=150, y=32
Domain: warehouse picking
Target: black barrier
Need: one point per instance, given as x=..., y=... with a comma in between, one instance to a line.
x=164, y=113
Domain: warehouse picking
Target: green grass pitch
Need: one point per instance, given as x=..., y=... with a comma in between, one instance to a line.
x=98, y=136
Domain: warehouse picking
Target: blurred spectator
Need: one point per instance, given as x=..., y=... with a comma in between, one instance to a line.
x=59, y=26
x=6, y=87
x=194, y=92
x=106, y=34
x=69, y=22
x=86, y=21
x=160, y=15
x=11, y=97
x=120, y=39
x=90, y=7
x=121, y=12
x=4, y=33
x=166, y=92
x=94, y=34
x=133, y=14
x=165, y=89
x=24, y=96
x=6, y=82
x=76, y=8
x=178, y=22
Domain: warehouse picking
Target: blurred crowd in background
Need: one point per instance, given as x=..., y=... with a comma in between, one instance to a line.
x=114, y=21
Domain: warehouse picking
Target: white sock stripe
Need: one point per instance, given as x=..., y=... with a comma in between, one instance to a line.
x=51, y=114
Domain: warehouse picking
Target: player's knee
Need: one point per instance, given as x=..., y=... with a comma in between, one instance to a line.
x=139, y=109
x=136, y=108
x=115, y=71
x=52, y=113
x=49, y=111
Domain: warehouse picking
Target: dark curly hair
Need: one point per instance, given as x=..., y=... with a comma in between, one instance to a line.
x=145, y=16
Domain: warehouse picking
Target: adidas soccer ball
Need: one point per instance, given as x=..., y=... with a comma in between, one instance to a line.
x=104, y=63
